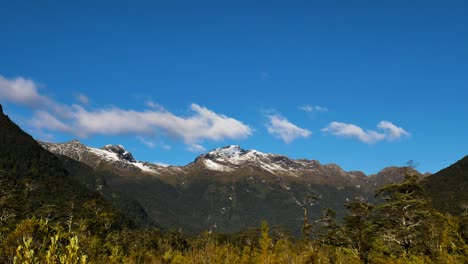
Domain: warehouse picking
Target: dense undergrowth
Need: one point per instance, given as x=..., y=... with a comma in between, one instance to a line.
x=404, y=228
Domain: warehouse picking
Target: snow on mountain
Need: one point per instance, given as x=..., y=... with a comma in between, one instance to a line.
x=114, y=154
x=216, y=166
x=231, y=157
x=273, y=167
x=144, y=167
x=234, y=155
x=231, y=151
x=73, y=149
x=120, y=151
x=227, y=159
x=105, y=154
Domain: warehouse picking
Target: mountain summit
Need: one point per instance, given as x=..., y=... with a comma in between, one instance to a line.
x=233, y=157
x=120, y=151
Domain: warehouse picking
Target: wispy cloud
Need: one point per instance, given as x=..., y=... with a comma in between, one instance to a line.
x=313, y=108
x=167, y=147
x=388, y=131
x=43, y=119
x=83, y=99
x=196, y=148
x=146, y=142
x=202, y=124
x=285, y=130
x=151, y=104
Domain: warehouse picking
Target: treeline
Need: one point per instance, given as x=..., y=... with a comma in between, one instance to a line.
x=403, y=228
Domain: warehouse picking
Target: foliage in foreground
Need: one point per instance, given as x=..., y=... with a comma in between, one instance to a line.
x=404, y=228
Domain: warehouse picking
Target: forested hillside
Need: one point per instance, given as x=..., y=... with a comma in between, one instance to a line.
x=448, y=188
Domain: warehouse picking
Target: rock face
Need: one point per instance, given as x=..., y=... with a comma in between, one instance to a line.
x=228, y=188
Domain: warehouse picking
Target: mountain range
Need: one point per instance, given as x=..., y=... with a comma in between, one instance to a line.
x=229, y=188
x=224, y=190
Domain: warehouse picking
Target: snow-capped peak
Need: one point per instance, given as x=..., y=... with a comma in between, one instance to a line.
x=74, y=141
x=234, y=154
x=120, y=151
x=230, y=157
x=227, y=152
x=114, y=148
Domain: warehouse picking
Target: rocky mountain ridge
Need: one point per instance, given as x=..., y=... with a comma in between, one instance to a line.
x=228, y=160
x=228, y=188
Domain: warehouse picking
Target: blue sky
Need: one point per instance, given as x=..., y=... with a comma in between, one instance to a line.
x=364, y=84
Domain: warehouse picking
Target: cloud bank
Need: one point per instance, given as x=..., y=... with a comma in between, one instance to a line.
x=202, y=124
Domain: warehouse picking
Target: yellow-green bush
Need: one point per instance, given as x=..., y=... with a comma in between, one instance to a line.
x=37, y=241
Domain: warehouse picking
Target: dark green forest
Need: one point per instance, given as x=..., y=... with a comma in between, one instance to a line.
x=404, y=228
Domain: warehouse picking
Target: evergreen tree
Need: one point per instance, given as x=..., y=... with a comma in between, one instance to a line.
x=359, y=227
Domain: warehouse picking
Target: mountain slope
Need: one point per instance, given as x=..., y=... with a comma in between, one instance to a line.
x=448, y=188
x=34, y=182
x=95, y=180
x=390, y=175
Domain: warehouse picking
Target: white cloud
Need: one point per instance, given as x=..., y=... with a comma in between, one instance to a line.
x=43, y=119
x=196, y=148
x=307, y=108
x=202, y=124
x=313, y=108
x=392, y=131
x=83, y=99
x=25, y=91
x=350, y=130
x=287, y=131
x=21, y=91
x=46, y=137
x=388, y=132
x=321, y=108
